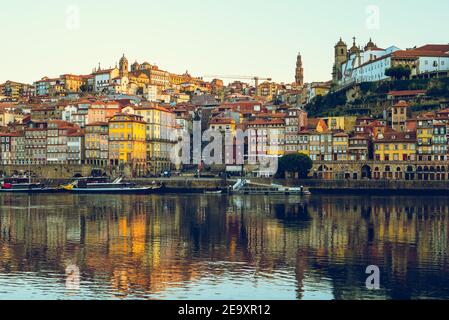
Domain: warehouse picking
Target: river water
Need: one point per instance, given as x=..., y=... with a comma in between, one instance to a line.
x=220, y=247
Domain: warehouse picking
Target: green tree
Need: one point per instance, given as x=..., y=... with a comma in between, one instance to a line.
x=399, y=72
x=295, y=163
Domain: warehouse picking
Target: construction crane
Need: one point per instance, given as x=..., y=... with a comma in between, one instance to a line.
x=256, y=79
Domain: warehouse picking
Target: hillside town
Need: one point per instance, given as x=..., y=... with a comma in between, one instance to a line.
x=121, y=119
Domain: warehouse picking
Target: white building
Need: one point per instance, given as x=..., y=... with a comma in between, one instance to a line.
x=68, y=112
x=371, y=64
x=151, y=93
x=103, y=79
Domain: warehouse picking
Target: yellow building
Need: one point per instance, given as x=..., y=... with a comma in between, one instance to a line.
x=346, y=123
x=13, y=89
x=71, y=83
x=267, y=90
x=425, y=137
x=318, y=89
x=340, y=146
x=8, y=117
x=160, y=125
x=395, y=146
x=140, y=79
x=127, y=142
x=303, y=142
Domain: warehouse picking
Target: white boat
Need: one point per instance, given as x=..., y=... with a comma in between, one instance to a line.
x=102, y=186
x=22, y=185
x=213, y=192
x=274, y=189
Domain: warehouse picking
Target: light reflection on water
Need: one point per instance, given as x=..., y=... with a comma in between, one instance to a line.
x=211, y=247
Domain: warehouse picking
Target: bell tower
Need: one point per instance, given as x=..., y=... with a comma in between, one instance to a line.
x=123, y=66
x=341, y=56
x=299, y=75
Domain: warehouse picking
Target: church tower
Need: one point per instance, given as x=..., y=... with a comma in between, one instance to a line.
x=123, y=66
x=341, y=56
x=299, y=76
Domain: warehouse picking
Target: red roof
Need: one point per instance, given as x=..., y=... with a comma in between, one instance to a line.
x=394, y=136
x=418, y=53
x=266, y=122
x=97, y=124
x=341, y=134
x=434, y=47
x=406, y=93
x=222, y=121
x=402, y=103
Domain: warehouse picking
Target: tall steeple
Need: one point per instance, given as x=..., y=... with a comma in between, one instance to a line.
x=123, y=66
x=299, y=75
x=341, y=56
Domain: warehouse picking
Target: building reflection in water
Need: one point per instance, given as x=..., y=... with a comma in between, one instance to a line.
x=153, y=246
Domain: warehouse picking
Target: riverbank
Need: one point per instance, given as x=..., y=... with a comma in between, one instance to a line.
x=375, y=187
x=362, y=187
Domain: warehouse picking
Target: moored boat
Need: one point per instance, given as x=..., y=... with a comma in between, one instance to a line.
x=23, y=185
x=213, y=192
x=103, y=186
x=249, y=188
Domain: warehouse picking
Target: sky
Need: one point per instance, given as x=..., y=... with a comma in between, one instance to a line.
x=206, y=37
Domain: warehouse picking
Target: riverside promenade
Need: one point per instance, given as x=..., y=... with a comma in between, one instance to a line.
x=189, y=184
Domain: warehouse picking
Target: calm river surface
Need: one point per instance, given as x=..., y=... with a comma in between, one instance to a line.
x=219, y=247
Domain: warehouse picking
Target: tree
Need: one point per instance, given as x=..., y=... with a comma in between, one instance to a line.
x=295, y=163
x=399, y=72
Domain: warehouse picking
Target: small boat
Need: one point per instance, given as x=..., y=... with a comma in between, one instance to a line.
x=216, y=192
x=23, y=185
x=248, y=188
x=103, y=186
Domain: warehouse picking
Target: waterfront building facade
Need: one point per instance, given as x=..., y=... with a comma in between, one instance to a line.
x=97, y=144
x=127, y=142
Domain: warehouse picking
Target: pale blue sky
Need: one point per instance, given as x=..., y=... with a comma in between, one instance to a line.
x=237, y=37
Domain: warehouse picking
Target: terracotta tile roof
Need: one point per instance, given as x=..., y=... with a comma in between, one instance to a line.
x=222, y=121
x=376, y=123
x=406, y=93
x=97, y=124
x=341, y=135
x=266, y=122
x=418, y=53
x=434, y=47
x=397, y=137
x=402, y=103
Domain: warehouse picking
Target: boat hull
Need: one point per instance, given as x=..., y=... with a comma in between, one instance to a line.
x=30, y=191
x=149, y=190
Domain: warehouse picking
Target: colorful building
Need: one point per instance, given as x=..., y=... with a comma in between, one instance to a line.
x=346, y=123
x=424, y=134
x=400, y=113
x=340, y=146
x=160, y=126
x=395, y=146
x=127, y=143
x=97, y=144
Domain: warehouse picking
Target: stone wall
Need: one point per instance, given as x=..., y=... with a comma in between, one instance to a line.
x=375, y=170
x=48, y=171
